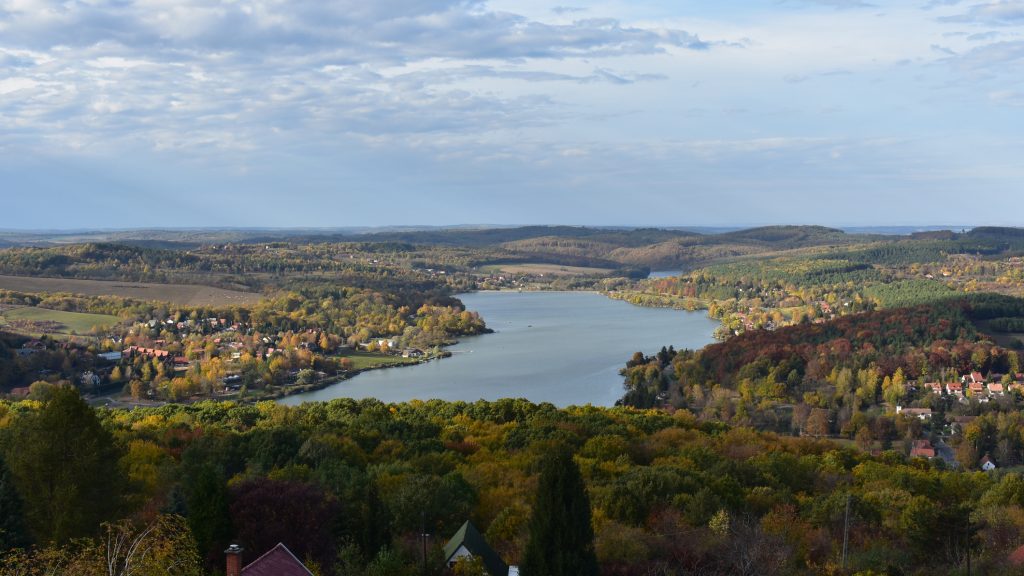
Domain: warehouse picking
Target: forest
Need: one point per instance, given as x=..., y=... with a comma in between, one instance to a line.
x=668, y=493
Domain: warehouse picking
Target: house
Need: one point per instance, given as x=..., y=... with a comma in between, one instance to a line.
x=412, y=353
x=935, y=387
x=468, y=542
x=148, y=352
x=921, y=413
x=995, y=389
x=278, y=561
x=21, y=392
x=987, y=464
x=955, y=389
x=922, y=449
x=977, y=377
x=976, y=389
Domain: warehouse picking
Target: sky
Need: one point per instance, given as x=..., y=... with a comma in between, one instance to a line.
x=306, y=113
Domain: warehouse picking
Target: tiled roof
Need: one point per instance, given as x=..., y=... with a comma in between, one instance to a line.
x=279, y=561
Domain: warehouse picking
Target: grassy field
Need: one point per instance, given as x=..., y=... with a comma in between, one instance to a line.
x=362, y=360
x=545, y=269
x=183, y=294
x=36, y=321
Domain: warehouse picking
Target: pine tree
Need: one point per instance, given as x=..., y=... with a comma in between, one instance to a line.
x=561, y=537
x=13, y=532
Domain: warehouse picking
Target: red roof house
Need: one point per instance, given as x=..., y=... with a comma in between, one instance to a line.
x=278, y=561
x=922, y=449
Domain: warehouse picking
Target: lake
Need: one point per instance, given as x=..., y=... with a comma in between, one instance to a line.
x=559, y=347
x=664, y=273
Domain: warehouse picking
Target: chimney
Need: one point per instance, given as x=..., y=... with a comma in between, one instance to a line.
x=234, y=560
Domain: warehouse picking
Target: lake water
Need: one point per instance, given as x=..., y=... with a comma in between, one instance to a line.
x=664, y=273
x=560, y=347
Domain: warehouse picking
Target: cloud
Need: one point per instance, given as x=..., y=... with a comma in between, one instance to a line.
x=388, y=30
x=1001, y=13
x=198, y=75
x=1008, y=98
x=838, y=4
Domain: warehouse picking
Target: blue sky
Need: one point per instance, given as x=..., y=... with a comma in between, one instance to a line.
x=140, y=113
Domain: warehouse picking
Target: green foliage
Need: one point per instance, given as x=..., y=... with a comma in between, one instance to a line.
x=66, y=467
x=13, y=530
x=209, y=517
x=561, y=537
x=908, y=293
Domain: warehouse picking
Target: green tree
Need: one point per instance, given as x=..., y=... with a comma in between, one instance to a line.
x=561, y=537
x=209, y=515
x=66, y=468
x=13, y=532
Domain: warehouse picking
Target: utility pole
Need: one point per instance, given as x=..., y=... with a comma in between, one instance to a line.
x=968, y=543
x=846, y=530
x=423, y=538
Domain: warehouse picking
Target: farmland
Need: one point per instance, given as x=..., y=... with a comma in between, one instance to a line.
x=538, y=269
x=181, y=294
x=36, y=321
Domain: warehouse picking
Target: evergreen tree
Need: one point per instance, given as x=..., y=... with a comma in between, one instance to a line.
x=13, y=532
x=209, y=515
x=66, y=467
x=561, y=537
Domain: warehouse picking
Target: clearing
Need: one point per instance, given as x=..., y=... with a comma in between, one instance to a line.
x=545, y=269
x=36, y=321
x=361, y=360
x=181, y=294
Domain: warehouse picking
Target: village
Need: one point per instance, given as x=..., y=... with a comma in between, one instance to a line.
x=185, y=360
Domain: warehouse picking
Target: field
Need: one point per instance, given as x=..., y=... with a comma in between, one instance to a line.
x=36, y=321
x=362, y=360
x=545, y=269
x=182, y=294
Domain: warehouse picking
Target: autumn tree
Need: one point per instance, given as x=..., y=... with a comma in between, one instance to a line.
x=301, y=515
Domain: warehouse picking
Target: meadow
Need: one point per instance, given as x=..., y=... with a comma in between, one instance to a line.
x=181, y=294
x=36, y=321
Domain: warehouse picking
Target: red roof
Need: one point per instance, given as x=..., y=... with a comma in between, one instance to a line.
x=1017, y=557
x=922, y=448
x=279, y=561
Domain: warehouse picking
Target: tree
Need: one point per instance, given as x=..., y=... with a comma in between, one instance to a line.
x=301, y=515
x=561, y=537
x=163, y=547
x=817, y=423
x=13, y=532
x=66, y=467
x=208, y=513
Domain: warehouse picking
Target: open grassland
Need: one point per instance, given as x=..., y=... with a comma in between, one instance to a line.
x=35, y=321
x=362, y=360
x=181, y=294
x=545, y=269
